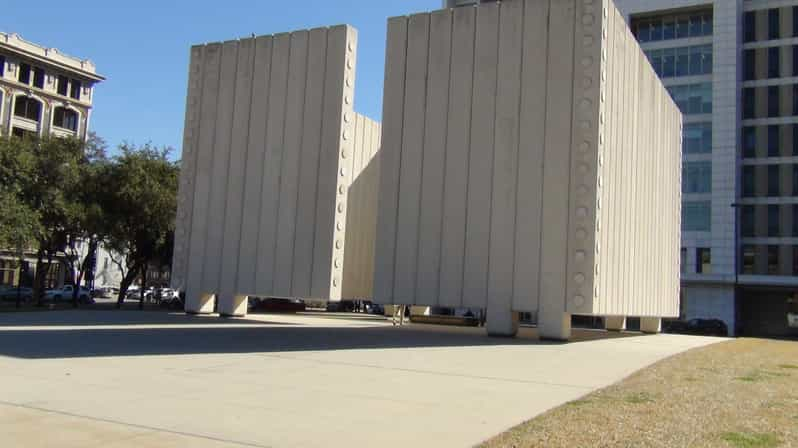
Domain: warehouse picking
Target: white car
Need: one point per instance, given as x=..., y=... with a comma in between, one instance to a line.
x=66, y=293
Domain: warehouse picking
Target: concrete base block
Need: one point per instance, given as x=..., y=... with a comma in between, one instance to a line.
x=200, y=304
x=235, y=306
x=615, y=323
x=419, y=310
x=651, y=325
x=554, y=326
x=502, y=323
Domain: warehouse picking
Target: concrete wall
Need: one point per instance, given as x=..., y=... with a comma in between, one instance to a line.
x=361, y=215
x=529, y=154
x=269, y=122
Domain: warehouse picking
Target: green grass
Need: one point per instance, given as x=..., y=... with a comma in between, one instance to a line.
x=577, y=403
x=788, y=366
x=751, y=440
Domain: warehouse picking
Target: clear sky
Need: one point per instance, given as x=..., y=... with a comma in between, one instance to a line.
x=142, y=48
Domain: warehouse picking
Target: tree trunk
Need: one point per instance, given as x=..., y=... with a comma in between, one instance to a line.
x=82, y=267
x=38, y=279
x=125, y=284
x=143, y=285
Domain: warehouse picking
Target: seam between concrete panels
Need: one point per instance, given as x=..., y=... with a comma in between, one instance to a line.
x=399, y=159
x=468, y=159
x=519, y=125
x=445, y=154
x=229, y=150
x=318, y=162
x=493, y=150
x=237, y=261
x=543, y=156
x=267, y=91
x=564, y=301
x=423, y=149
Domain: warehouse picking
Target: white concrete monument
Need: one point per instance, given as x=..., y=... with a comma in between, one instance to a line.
x=531, y=162
x=268, y=157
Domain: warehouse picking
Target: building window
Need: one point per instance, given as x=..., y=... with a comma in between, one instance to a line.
x=773, y=260
x=749, y=64
x=795, y=180
x=749, y=102
x=29, y=108
x=795, y=60
x=697, y=177
x=749, y=142
x=773, y=24
x=22, y=133
x=795, y=140
x=696, y=216
x=682, y=61
x=795, y=21
x=38, y=78
x=673, y=26
x=795, y=259
x=749, y=26
x=697, y=138
x=747, y=221
x=692, y=99
x=65, y=118
x=2, y=65
x=774, y=180
x=684, y=261
x=62, y=85
x=703, y=260
x=75, y=90
x=774, y=62
x=773, y=101
x=748, y=257
x=24, y=74
x=749, y=181
x=795, y=99
x=773, y=220
x=773, y=140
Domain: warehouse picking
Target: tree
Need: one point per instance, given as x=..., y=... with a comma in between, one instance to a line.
x=141, y=209
x=41, y=179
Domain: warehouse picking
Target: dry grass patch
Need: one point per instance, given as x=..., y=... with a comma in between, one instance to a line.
x=740, y=394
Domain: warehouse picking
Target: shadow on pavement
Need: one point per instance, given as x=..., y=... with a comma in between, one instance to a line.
x=179, y=334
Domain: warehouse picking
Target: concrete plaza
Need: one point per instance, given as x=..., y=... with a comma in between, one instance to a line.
x=147, y=379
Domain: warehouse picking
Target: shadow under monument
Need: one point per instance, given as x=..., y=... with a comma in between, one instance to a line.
x=106, y=334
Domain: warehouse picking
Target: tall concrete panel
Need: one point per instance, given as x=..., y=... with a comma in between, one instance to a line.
x=548, y=182
x=267, y=161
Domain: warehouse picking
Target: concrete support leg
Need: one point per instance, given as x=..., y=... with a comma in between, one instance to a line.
x=555, y=326
x=235, y=306
x=502, y=323
x=615, y=323
x=419, y=310
x=199, y=304
x=650, y=325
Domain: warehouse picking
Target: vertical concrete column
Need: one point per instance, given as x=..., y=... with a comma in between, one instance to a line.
x=615, y=323
x=199, y=303
x=651, y=325
x=501, y=321
x=555, y=326
x=233, y=306
x=419, y=310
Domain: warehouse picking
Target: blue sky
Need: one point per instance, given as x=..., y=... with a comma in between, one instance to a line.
x=142, y=48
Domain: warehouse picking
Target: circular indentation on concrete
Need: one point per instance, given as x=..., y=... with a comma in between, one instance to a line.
x=346, y=134
x=604, y=12
x=598, y=248
x=351, y=46
x=598, y=204
x=339, y=244
x=604, y=54
x=585, y=124
x=597, y=291
x=601, y=117
x=587, y=61
x=342, y=189
x=600, y=178
x=584, y=146
x=349, y=63
x=587, y=82
x=579, y=278
x=335, y=282
x=339, y=226
x=341, y=207
x=588, y=40
x=347, y=99
x=337, y=263
x=348, y=82
x=581, y=234
x=598, y=226
x=601, y=138
x=581, y=212
x=588, y=19
x=585, y=103
x=601, y=159
x=579, y=301
x=347, y=117
x=343, y=172
x=583, y=168
x=580, y=255
x=343, y=154
x=598, y=270
x=582, y=190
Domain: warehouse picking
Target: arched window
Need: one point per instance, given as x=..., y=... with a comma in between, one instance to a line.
x=27, y=108
x=65, y=118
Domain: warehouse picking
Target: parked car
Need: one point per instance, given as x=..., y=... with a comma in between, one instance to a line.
x=134, y=293
x=11, y=294
x=276, y=305
x=66, y=293
x=702, y=327
x=166, y=295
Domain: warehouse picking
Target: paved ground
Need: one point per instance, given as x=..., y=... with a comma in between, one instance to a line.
x=148, y=379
